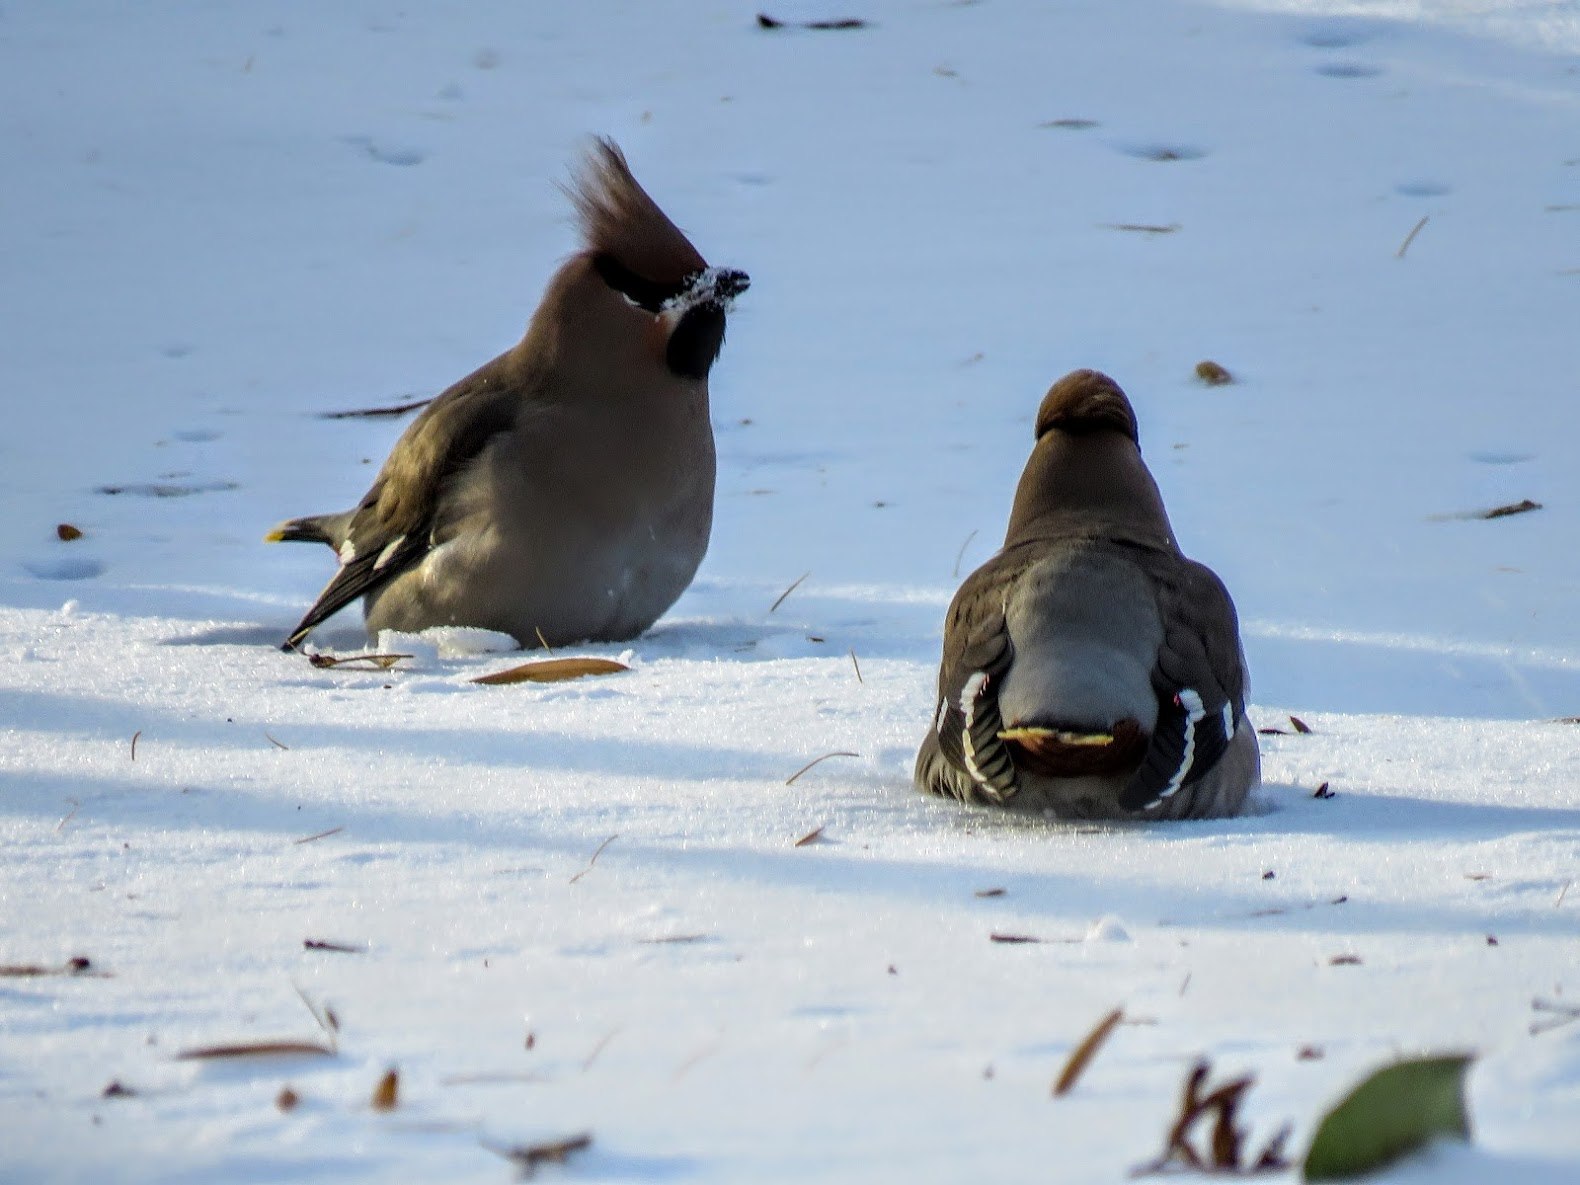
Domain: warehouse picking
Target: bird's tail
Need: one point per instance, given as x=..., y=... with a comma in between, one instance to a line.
x=318, y=528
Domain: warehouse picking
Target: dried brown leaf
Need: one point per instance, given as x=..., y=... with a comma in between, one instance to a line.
x=811, y=837
x=386, y=1095
x=65, y=532
x=1213, y=374
x=553, y=670
x=1523, y=506
x=1082, y=1054
x=255, y=1049
x=1300, y=726
x=287, y=1099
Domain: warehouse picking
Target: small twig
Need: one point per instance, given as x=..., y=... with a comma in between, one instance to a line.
x=340, y=947
x=856, y=664
x=1410, y=238
x=600, y=1047
x=375, y=662
x=961, y=554
x=320, y=835
x=790, y=781
x=1559, y=900
x=324, y=1017
x=75, y=804
x=135, y=735
x=274, y=742
x=811, y=837
x=794, y=585
x=542, y=641
x=1082, y=1055
x=594, y=859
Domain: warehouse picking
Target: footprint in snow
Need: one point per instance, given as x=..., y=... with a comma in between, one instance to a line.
x=1489, y=457
x=386, y=154
x=167, y=489
x=76, y=568
x=1334, y=37
x=1349, y=70
x=1163, y=152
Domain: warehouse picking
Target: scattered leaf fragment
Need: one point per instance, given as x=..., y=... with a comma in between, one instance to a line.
x=811, y=837
x=77, y=965
x=1228, y=1138
x=386, y=1095
x=135, y=735
x=1345, y=961
x=1069, y=125
x=527, y=1157
x=287, y=1099
x=1213, y=374
x=1269, y=875
x=117, y=1090
x=1300, y=726
x=1521, y=507
x=1391, y=1113
x=255, y=1049
x=764, y=21
x=1082, y=1055
x=1309, y=1053
x=1272, y=732
x=995, y=892
x=65, y=532
x=1012, y=939
x=1322, y=791
x=1492, y=940
x=553, y=670
x=339, y=947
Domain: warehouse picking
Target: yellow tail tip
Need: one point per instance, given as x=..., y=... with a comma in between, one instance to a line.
x=275, y=536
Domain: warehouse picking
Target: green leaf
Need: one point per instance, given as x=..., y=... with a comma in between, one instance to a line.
x=1392, y=1113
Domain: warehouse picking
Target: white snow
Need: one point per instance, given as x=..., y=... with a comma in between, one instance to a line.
x=581, y=907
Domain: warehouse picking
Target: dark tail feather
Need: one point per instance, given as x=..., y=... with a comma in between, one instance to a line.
x=301, y=530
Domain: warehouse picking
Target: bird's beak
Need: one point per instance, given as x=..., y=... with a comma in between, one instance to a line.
x=730, y=284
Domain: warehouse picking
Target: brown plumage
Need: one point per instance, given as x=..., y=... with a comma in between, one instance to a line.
x=564, y=490
x=1089, y=669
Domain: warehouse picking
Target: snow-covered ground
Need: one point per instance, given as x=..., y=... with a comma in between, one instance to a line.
x=580, y=907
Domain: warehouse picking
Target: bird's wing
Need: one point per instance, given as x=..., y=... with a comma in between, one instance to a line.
x=395, y=526
x=1199, y=678
x=977, y=654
